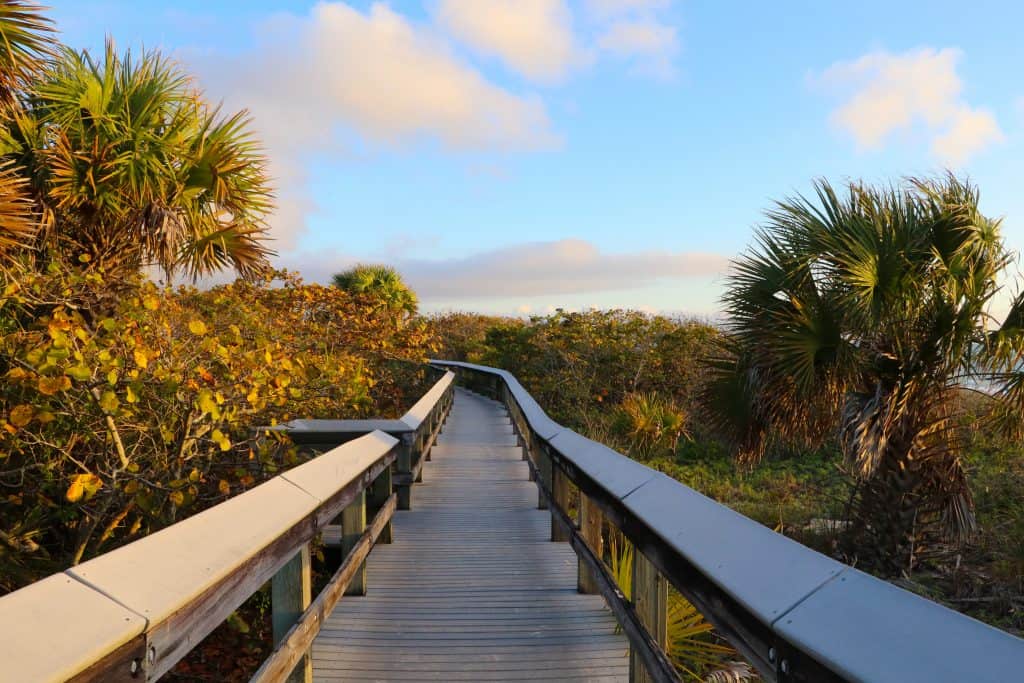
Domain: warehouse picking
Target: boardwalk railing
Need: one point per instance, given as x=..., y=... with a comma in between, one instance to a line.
x=133, y=613
x=794, y=614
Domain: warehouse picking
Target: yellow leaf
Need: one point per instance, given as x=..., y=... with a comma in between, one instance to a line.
x=197, y=327
x=21, y=415
x=141, y=359
x=109, y=402
x=194, y=475
x=83, y=484
x=176, y=497
x=45, y=417
x=131, y=395
x=151, y=302
x=208, y=404
x=81, y=372
x=268, y=357
x=221, y=440
x=112, y=377
x=54, y=385
x=224, y=487
x=75, y=491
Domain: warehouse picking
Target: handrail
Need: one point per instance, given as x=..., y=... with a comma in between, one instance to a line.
x=416, y=429
x=134, y=612
x=793, y=613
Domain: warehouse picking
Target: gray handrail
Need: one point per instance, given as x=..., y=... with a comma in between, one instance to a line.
x=134, y=612
x=794, y=613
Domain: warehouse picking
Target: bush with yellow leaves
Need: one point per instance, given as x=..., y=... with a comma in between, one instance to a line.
x=119, y=419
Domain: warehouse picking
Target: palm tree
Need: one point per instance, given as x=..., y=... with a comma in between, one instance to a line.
x=381, y=283
x=26, y=45
x=129, y=167
x=862, y=317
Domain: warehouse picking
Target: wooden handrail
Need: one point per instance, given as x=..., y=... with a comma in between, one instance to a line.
x=133, y=613
x=793, y=613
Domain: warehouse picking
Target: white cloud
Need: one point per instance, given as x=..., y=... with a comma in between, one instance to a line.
x=312, y=82
x=651, y=43
x=919, y=90
x=532, y=37
x=568, y=266
x=636, y=31
x=607, y=8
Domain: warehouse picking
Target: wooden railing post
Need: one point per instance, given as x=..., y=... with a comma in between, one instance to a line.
x=590, y=522
x=418, y=451
x=290, y=595
x=379, y=492
x=403, y=466
x=543, y=465
x=560, y=495
x=650, y=598
x=353, y=524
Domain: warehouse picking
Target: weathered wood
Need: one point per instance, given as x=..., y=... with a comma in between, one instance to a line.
x=290, y=596
x=353, y=525
x=404, y=476
x=590, y=523
x=650, y=597
x=542, y=476
x=377, y=496
x=296, y=642
x=649, y=651
x=560, y=496
x=471, y=590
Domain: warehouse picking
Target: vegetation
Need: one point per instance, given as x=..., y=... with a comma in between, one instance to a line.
x=860, y=318
x=382, y=285
x=126, y=405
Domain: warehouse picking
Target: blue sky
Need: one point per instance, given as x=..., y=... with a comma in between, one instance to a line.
x=519, y=155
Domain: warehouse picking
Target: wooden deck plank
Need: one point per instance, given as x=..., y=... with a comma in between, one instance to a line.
x=471, y=589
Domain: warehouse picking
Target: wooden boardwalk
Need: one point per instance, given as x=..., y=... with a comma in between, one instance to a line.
x=472, y=589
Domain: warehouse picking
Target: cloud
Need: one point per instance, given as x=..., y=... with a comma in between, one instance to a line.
x=568, y=266
x=340, y=76
x=634, y=30
x=607, y=8
x=651, y=43
x=919, y=90
x=532, y=37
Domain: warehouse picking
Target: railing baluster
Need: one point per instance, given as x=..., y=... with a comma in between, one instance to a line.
x=290, y=594
x=650, y=598
x=403, y=466
x=353, y=524
x=590, y=521
x=560, y=493
x=379, y=492
x=544, y=474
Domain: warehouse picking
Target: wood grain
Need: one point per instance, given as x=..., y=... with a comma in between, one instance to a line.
x=471, y=589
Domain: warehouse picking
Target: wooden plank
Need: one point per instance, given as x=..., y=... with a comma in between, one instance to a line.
x=472, y=589
x=353, y=525
x=646, y=648
x=290, y=594
x=297, y=641
x=91, y=628
x=650, y=598
x=590, y=523
x=377, y=496
x=560, y=495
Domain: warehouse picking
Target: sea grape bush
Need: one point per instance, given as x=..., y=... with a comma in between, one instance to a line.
x=117, y=421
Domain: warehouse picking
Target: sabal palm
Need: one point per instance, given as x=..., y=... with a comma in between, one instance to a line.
x=130, y=167
x=382, y=283
x=862, y=316
x=26, y=44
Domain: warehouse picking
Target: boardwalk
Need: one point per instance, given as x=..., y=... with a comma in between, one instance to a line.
x=472, y=589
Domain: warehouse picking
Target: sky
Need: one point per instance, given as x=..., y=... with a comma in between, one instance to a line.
x=514, y=156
